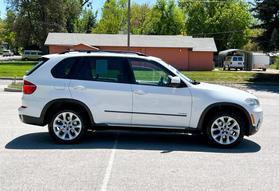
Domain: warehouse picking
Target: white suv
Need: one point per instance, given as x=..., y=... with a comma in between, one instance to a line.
x=76, y=91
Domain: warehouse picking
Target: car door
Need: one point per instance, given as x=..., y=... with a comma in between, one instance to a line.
x=155, y=102
x=104, y=84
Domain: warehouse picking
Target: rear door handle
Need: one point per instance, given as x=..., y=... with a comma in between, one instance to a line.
x=139, y=92
x=79, y=87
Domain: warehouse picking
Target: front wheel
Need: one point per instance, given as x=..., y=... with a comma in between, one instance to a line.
x=67, y=126
x=225, y=129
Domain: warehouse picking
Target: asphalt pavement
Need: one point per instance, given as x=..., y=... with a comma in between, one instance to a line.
x=125, y=161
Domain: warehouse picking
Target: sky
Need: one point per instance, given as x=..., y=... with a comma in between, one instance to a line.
x=97, y=5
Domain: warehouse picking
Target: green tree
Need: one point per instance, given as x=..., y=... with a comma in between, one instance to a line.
x=165, y=18
x=275, y=39
x=267, y=12
x=227, y=21
x=86, y=22
x=114, y=17
x=6, y=30
x=251, y=45
x=72, y=10
x=139, y=13
x=35, y=19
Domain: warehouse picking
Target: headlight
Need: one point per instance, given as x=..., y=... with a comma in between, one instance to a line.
x=252, y=102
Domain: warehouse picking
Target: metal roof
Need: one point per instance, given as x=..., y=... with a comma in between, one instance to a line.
x=120, y=40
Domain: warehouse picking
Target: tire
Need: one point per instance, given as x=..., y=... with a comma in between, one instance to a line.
x=67, y=126
x=264, y=69
x=225, y=129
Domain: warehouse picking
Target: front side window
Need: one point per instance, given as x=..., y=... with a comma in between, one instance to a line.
x=149, y=73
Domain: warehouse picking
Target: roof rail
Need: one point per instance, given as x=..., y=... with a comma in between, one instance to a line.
x=108, y=51
x=122, y=52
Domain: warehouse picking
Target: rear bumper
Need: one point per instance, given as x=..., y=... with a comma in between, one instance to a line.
x=31, y=120
x=25, y=118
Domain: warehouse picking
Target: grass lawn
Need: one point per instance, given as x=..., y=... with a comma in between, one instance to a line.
x=15, y=68
x=221, y=76
x=274, y=66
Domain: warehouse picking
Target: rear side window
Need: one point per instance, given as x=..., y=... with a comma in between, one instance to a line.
x=64, y=69
x=105, y=69
x=39, y=64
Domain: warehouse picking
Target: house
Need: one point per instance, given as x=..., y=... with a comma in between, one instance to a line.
x=183, y=52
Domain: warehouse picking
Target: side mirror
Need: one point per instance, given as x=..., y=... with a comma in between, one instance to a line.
x=175, y=80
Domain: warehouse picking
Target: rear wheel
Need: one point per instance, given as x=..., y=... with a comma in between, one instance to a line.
x=225, y=129
x=67, y=126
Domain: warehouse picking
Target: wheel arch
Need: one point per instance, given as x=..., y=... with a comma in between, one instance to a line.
x=222, y=106
x=65, y=103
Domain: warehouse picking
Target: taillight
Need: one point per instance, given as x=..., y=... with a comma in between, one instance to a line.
x=28, y=87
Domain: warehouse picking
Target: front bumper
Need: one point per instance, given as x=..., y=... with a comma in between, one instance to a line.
x=256, y=121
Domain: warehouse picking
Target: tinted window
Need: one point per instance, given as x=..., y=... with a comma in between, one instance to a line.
x=150, y=73
x=103, y=69
x=234, y=58
x=64, y=69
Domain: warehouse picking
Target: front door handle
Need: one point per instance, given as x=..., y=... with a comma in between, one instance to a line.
x=139, y=92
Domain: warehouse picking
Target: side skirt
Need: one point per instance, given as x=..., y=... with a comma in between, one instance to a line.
x=140, y=127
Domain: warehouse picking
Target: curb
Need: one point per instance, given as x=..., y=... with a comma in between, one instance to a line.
x=10, y=78
x=12, y=90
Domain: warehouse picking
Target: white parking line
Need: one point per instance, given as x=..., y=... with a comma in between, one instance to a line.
x=109, y=167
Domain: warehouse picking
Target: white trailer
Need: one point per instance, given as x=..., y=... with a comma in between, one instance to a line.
x=260, y=61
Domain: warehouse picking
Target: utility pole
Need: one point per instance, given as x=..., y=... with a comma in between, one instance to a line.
x=129, y=24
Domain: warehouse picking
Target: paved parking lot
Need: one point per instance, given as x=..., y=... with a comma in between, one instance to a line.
x=111, y=160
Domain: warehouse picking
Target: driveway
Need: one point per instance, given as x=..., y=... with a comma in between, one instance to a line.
x=121, y=160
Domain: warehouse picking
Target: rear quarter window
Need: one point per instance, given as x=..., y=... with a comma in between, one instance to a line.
x=38, y=65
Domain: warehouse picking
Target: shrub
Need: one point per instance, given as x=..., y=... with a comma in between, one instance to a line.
x=277, y=63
